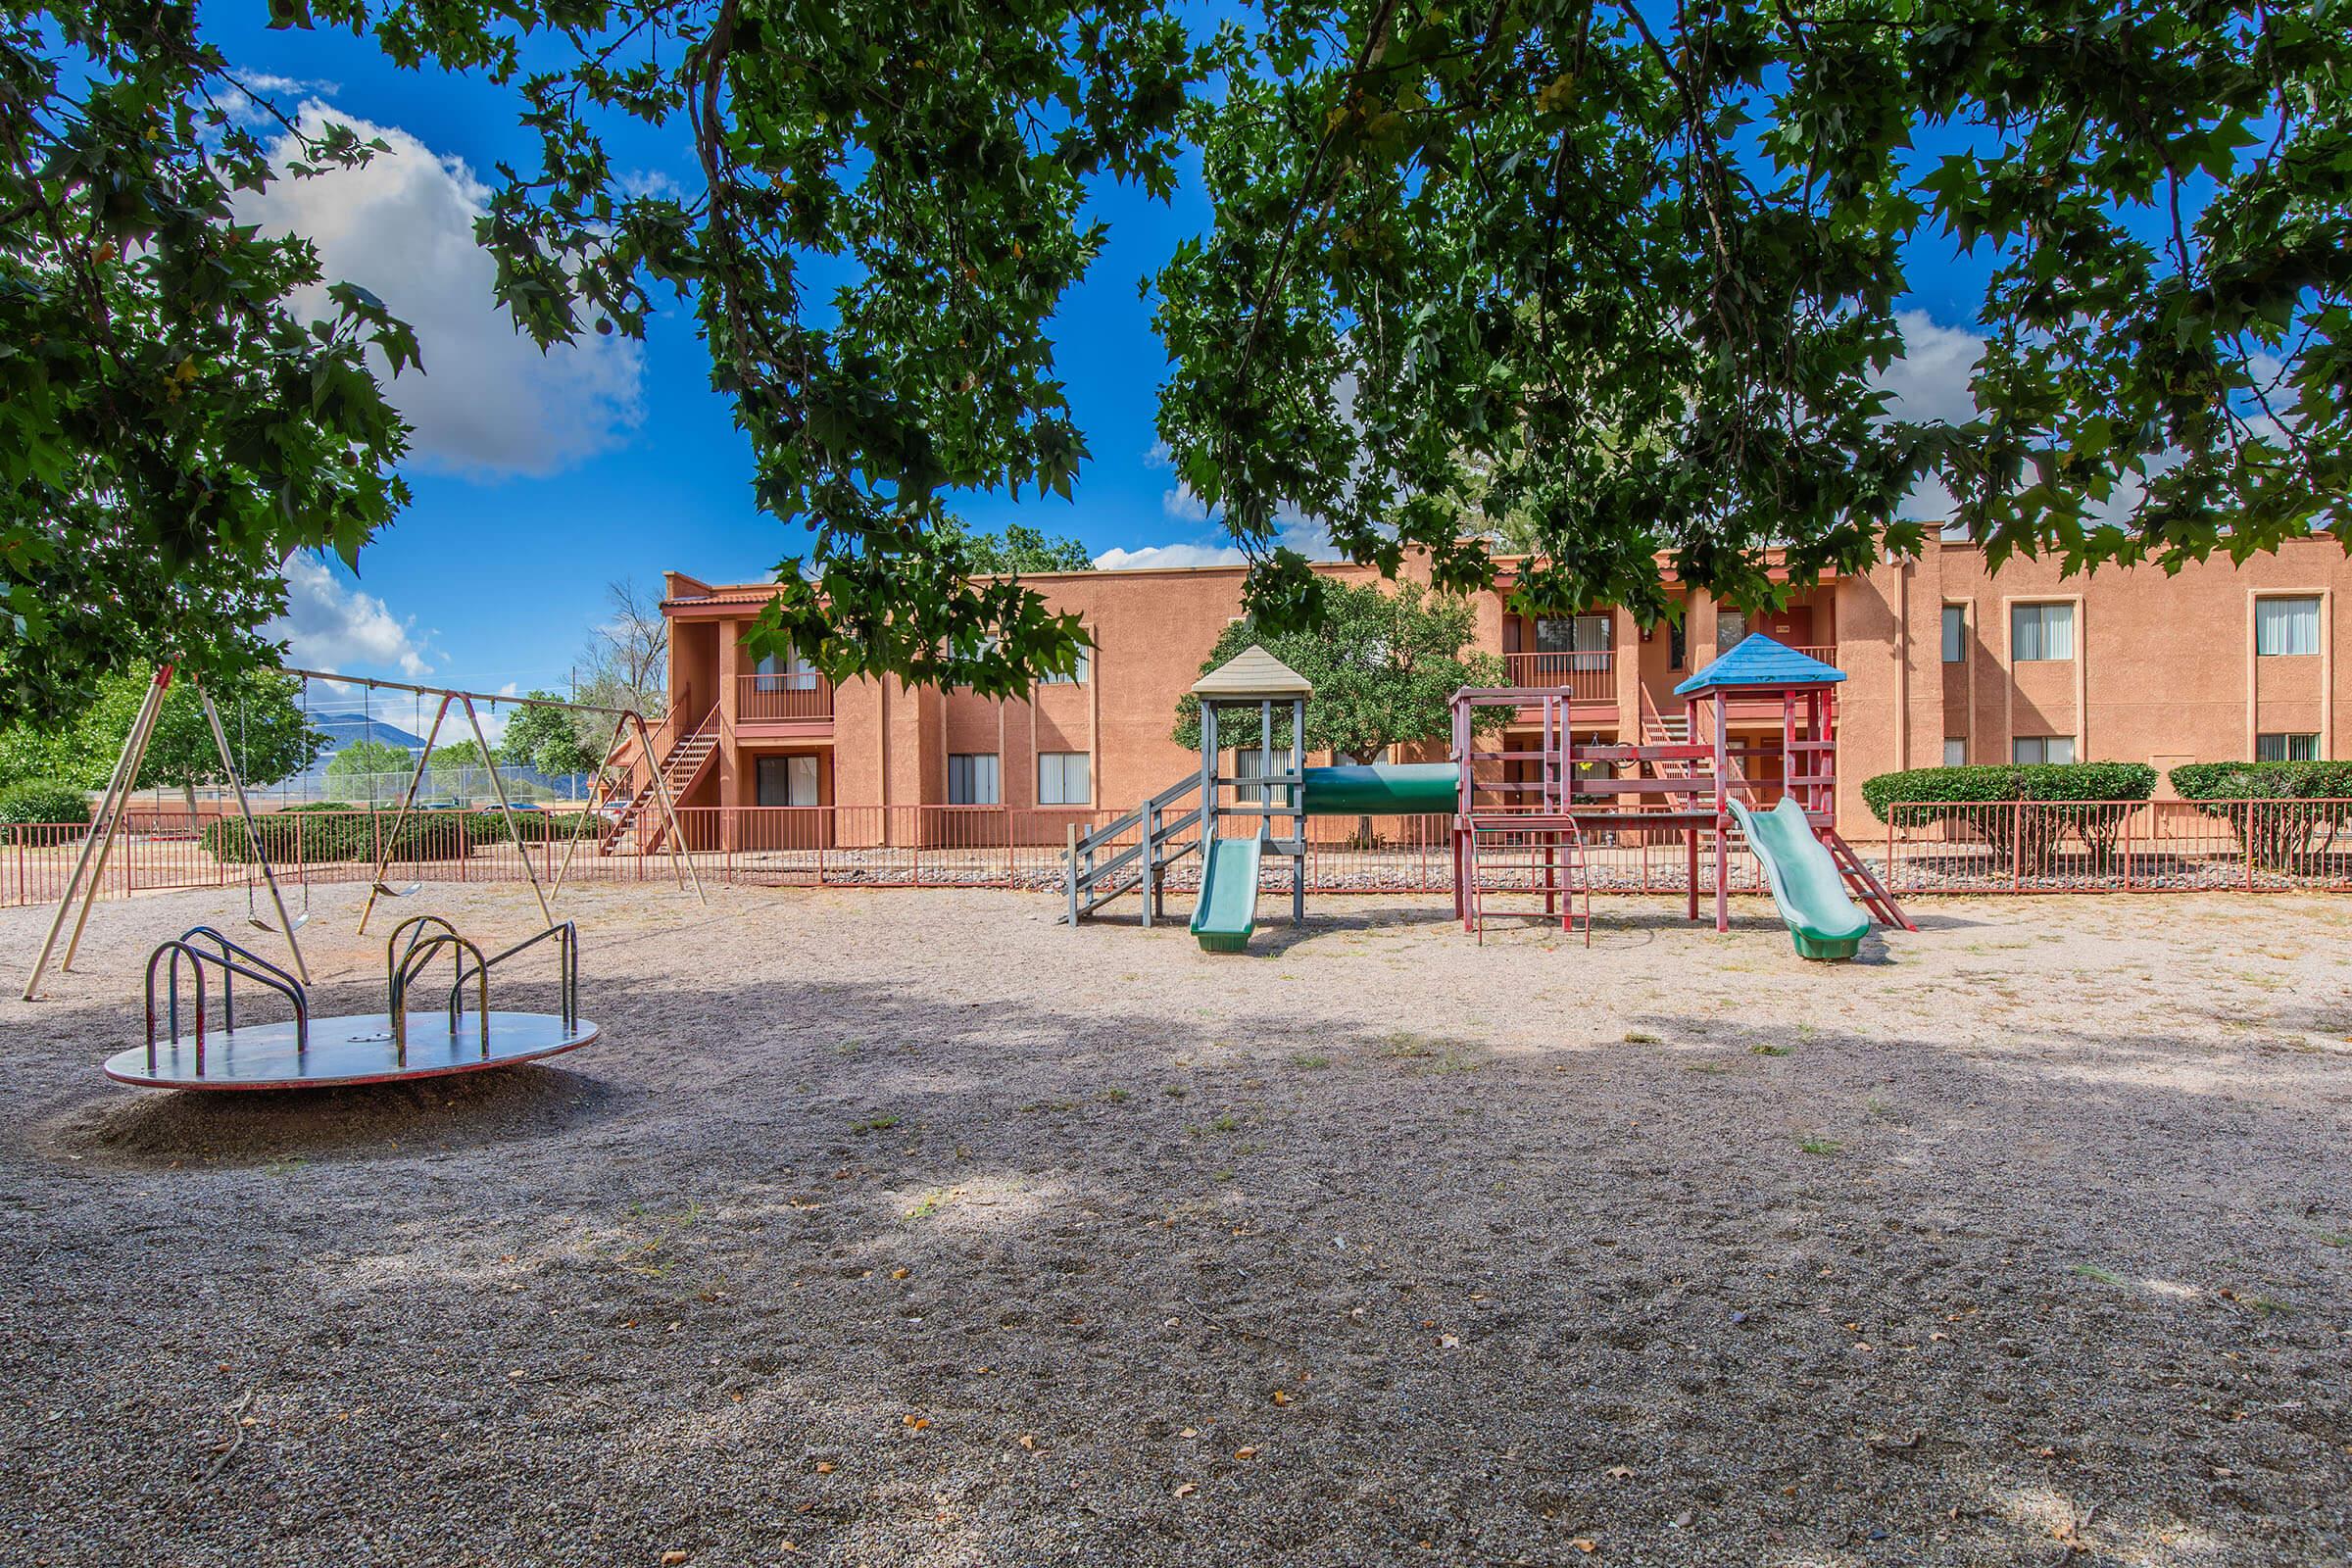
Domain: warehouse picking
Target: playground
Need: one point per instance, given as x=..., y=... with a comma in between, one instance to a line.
x=928, y=1230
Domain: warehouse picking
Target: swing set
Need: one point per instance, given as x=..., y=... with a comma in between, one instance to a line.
x=97, y=846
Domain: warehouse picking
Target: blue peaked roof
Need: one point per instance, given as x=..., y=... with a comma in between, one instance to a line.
x=1758, y=661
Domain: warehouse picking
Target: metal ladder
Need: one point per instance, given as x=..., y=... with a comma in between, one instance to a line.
x=1868, y=889
x=1538, y=859
x=1101, y=867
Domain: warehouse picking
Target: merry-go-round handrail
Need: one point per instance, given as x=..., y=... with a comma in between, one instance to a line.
x=258, y=969
x=412, y=965
x=568, y=942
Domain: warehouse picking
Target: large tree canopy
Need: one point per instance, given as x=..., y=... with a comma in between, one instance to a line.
x=1622, y=273
x=1625, y=272
x=171, y=429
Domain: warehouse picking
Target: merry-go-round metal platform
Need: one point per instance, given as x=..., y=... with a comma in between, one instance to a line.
x=310, y=1052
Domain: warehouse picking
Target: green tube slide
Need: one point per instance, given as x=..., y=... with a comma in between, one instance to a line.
x=1383, y=789
x=1228, y=909
x=1823, y=920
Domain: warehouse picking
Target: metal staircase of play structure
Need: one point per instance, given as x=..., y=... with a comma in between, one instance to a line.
x=1868, y=890
x=681, y=770
x=1527, y=867
x=1131, y=851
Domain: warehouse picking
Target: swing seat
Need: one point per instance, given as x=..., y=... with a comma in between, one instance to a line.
x=387, y=890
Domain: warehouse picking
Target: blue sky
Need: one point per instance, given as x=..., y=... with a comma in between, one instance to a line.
x=538, y=481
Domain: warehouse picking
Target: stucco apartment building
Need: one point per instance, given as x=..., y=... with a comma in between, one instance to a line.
x=1946, y=662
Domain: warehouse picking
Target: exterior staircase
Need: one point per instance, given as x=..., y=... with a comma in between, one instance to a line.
x=640, y=821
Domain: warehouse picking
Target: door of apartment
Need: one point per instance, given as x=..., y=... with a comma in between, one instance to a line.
x=1790, y=629
x=786, y=781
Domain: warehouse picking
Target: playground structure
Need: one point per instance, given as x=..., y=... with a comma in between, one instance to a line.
x=1522, y=812
x=305, y=1051
x=114, y=808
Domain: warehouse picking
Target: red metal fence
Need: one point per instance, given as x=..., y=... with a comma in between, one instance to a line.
x=2118, y=846
x=2009, y=847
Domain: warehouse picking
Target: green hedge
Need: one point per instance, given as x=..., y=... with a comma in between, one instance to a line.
x=334, y=831
x=2263, y=781
x=43, y=801
x=2272, y=834
x=2089, y=800
x=2041, y=782
x=315, y=834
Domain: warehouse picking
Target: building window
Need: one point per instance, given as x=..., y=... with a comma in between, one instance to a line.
x=1585, y=639
x=1678, y=645
x=788, y=673
x=2042, y=633
x=785, y=781
x=972, y=778
x=2042, y=748
x=1061, y=779
x=2286, y=748
x=1955, y=634
x=2284, y=627
x=1955, y=751
x=1076, y=677
x=1250, y=762
x=1730, y=632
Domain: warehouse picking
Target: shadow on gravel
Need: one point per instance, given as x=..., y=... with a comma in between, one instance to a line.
x=161, y=1129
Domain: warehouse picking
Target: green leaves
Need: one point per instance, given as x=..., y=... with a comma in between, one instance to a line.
x=171, y=429
x=1576, y=302
x=1384, y=665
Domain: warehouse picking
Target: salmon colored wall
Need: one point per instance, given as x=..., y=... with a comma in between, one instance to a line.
x=2164, y=672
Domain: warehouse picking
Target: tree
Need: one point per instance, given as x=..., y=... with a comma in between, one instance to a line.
x=270, y=736
x=359, y=767
x=1625, y=271
x=1020, y=549
x=1629, y=273
x=458, y=756
x=548, y=740
x=173, y=420
x=627, y=662
x=1384, y=666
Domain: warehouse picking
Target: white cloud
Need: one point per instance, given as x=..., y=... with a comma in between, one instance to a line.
x=1183, y=504
x=1930, y=380
x=330, y=624
x=1294, y=530
x=488, y=402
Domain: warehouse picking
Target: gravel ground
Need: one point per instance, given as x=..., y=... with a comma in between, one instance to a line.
x=909, y=1229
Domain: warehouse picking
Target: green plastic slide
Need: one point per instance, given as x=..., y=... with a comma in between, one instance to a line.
x=1822, y=917
x=1228, y=909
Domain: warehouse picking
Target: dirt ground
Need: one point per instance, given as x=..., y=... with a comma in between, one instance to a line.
x=895, y=1228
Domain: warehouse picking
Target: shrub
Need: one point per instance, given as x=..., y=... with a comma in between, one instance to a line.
x=532, y=828
x=43, y=801
x=2090, y=799
x=313, y=834
x=2272, y=834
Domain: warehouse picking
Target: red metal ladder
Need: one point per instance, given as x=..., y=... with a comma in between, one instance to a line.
x=1867, y=887
x=1540, y=859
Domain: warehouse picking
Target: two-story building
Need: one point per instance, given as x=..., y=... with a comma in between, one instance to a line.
x=1946, y=661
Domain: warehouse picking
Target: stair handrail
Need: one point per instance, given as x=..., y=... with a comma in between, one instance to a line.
x=1078, y=867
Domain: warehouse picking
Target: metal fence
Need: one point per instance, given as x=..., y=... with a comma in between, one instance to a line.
x=2010, y=846
x=2118, y=846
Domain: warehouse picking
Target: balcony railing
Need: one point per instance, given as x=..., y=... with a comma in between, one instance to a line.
x=787, y=696
x=1587, y=677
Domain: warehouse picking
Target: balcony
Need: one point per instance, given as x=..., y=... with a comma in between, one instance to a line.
x=1587, y=677
x=791, y=697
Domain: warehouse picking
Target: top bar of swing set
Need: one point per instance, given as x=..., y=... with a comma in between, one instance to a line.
x=376, y=683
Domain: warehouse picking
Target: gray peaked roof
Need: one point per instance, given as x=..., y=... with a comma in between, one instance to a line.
x=1251, y=674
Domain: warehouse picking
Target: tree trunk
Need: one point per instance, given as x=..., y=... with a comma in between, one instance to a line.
x=187, y=793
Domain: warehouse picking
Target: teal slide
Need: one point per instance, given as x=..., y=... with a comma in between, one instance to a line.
x=1825, y=921
x=1228, y=909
